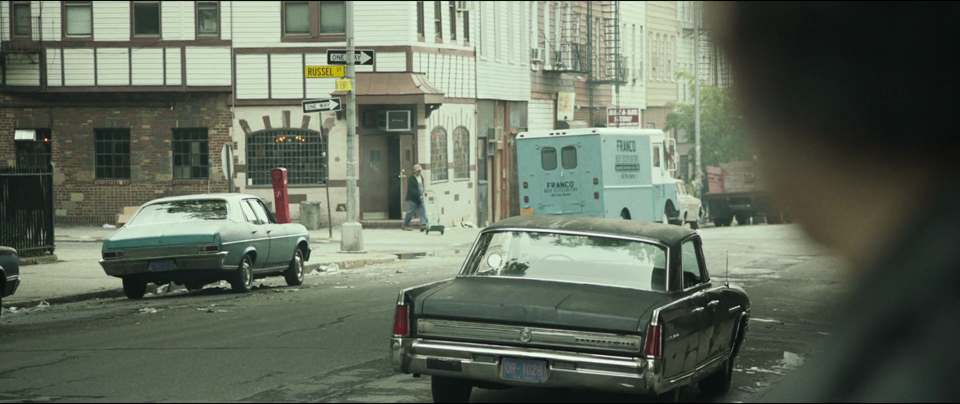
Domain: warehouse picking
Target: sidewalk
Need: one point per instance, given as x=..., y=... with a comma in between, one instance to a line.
x=78, y=275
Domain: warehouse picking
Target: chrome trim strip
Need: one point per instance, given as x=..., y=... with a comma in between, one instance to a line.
x=13, y=277
x=403, y=293
x=201, y=255
x=495, y=350
x=698, y=369
x=263, y=238
x=511, y=334
x=734, y=309
x=656, y=312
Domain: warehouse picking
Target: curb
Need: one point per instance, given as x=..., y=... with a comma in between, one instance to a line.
x=78, y=240
x=113, y=293
x=43, y=259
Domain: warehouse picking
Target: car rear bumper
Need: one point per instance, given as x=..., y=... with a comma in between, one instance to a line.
x=481, y=363
x=182, y=263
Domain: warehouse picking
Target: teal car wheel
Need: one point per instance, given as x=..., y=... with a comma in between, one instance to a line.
x=242, y=281
x=294, y=272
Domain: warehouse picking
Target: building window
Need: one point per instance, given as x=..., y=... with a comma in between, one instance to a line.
x=438, y=19
x=548, y=159
x=438, y=154
x=420, y=22
x=296, y=18
x=146, y=19
x=208, y=18
x=310, y=20
x=333, y=17
x=21, y=20
x=78, y=19
x=191, y=158
x=466, y=26
x=302, y=152
x=453, y=20
x=461, y=152
x=568, y=157
x=482, y=159
x=112, y=153
x=34, y=155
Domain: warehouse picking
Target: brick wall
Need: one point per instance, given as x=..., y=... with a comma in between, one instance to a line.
x=83, y=199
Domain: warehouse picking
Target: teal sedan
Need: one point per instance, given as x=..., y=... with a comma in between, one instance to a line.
x=199, y=239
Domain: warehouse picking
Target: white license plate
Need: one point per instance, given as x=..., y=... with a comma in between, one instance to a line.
x=161, y=265
x=523, y=370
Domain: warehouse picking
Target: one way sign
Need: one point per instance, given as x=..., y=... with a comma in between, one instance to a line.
x=363, y=57
x=322, y=104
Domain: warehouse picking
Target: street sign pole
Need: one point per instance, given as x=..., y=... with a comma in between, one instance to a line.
x=351, y=232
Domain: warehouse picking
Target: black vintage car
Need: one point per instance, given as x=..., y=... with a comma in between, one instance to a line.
x=604, y=304
x=9, y=272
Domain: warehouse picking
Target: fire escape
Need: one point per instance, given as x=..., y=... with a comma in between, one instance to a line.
x=572, y=54
x=612, y=68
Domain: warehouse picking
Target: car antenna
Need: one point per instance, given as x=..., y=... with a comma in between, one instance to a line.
x=726, y=270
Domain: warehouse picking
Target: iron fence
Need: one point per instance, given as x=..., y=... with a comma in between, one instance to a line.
x=26, y=210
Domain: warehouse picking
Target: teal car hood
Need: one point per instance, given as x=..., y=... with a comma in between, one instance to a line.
x=166, y=234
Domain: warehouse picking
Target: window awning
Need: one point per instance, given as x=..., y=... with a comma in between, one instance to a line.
x=394, y=88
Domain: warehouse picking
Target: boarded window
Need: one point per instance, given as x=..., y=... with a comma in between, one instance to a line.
x=438, y=154
x=112, y=152
x=548, y=158
x=568, y=157
x=461, y=152
x=191, y=159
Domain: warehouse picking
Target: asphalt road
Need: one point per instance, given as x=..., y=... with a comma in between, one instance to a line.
x=327, y=340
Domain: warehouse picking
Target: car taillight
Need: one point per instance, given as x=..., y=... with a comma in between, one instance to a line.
x=401, y=321
x=526, y=199
x=525, y=185
x=652, y=346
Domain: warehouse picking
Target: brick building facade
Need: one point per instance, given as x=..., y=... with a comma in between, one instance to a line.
x=87, y=190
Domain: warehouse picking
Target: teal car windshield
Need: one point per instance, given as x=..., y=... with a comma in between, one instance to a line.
x=570, y=258
x=181, y=211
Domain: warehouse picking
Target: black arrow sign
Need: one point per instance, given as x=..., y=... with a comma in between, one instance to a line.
x=322, y=104
x=361, y=57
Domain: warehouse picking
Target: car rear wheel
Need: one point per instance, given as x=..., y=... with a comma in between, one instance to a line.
x=242, y=281
x=449, y=390
x=294, y=273
x=134, y=288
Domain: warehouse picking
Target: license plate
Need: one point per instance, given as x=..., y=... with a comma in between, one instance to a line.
x=523, y=370
x=161, y=265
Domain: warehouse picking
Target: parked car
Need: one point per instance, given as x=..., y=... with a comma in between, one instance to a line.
x=691, y=209
x=9, y=273
x=567, y=302
x=198, y=239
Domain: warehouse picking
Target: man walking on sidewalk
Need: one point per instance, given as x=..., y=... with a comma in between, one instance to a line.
x=416, y=192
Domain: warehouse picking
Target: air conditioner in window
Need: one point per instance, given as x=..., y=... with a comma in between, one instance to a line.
x=536, y=55
x=398, y=121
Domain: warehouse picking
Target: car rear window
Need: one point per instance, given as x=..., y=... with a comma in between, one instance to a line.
x=182, y=211
x=570, y=258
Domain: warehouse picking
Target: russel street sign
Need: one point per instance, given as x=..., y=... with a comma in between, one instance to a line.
x=322, y=104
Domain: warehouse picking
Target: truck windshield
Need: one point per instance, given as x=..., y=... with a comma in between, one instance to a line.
x=570, y=258
x=182, y=211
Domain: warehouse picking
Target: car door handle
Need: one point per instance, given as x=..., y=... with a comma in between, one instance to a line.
x=713, y=303
x=696, y=310
x=254, y=232
x=269, y=231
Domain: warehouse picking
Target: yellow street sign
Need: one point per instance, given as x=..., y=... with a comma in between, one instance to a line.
x=323, y=72
x=345, y=85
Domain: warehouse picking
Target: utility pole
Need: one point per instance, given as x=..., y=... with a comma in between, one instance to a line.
x=698, y=17
x=351, y=232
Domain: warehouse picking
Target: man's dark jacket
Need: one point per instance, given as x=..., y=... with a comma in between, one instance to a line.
x=897, y=337
x=414, y=191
